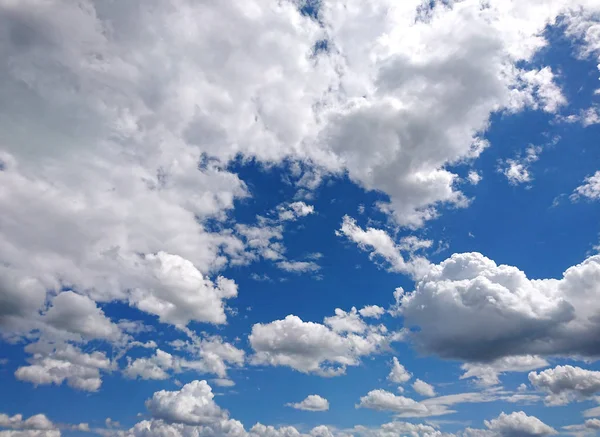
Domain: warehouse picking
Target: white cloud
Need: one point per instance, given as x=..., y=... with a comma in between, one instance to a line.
x=35, y=422
x=487, y=374
x=193, y=404
x=31, y=433
x=155, y=367
x=589, y=427
x=182, y=293
x=517, y=170
x=398, y=428
x=299, y=266
x=518, y=424
x=79, y=314
x=386, y=401
x=474, y=178
x=565, y=384
x=423, y=388
x=470, y=308
x=373, y=311
x=209, y=355
x=592, y=412
x=398, y=374
x=223, y=382
x=346, y=322
x=312, y=347
x=403, y=406
x=294, y=210
x=53, y=365
x=590, y=189
x=311, y=403
x=379, y=243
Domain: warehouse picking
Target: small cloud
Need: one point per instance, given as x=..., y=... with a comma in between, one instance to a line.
x=311, y=403
x=298, y=266
x=474, y=178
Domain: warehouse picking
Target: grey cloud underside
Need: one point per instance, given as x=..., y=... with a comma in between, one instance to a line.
x=469, y=308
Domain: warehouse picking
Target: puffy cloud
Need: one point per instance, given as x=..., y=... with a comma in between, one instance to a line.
x=566, y=383
x=151, y=428
x=487, y=374
x=311, y=403
x=223, y=382
x=423, y=388
x=470, y=308
x=398, y=374
x=31, y=433
x=312, y=347
x=183, y=294
x=20, y=297
x=36, y=422
x=346, y=321
x=64, y=363
x=386, y=401
x=35, y=426
x=79, y=314
x=590, y=189
x=210, y=355
x=155, y=367
x=398, y=428
x=373, y=311
x=379, y=243
x=474, y=178
x=294, y=210
x=192, y=405
x=518, y=424
x=589, y=427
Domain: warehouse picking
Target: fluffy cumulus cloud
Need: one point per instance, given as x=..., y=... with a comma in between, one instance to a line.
x=309, y=347
x=35, y=426
x=589, y=427
x=517, y=424
x=372, y=311
x=470, y=308
x=79, y=314
x=311, y=403
x=565, y=384
x=207, y=355
x=423, y=388
x=398, y=373
x=56, y=364
x=192, y=405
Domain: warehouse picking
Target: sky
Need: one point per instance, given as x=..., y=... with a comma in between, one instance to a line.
x=299, y=218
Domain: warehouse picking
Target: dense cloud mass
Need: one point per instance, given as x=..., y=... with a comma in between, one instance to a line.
x=566, y=383
x=470, y=308
x=129, y=221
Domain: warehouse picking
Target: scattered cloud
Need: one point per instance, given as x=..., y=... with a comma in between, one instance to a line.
x=590, y=189
x=311, y=403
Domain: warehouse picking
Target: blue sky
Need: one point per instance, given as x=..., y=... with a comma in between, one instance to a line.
x=300, y=218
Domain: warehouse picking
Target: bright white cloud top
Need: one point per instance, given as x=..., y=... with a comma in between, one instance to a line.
x=210, y=211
